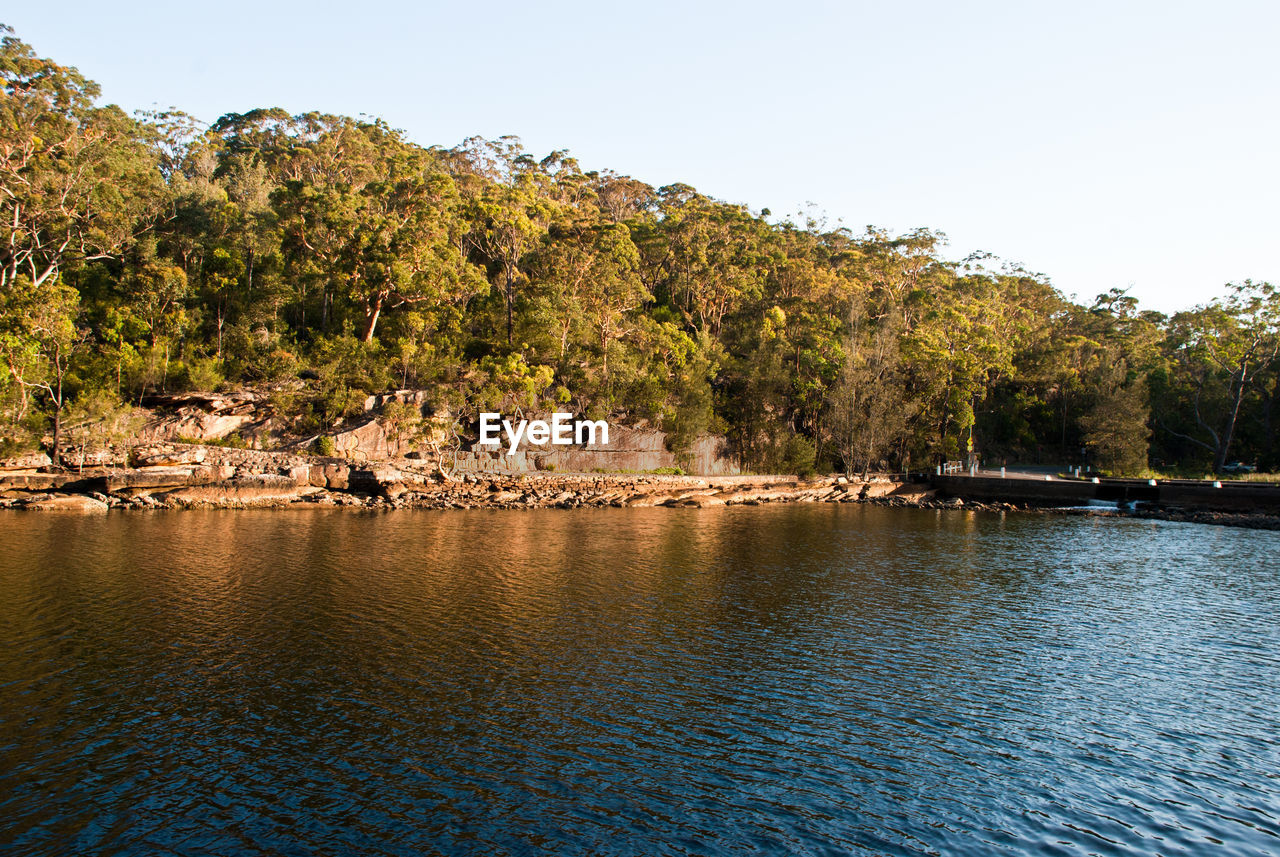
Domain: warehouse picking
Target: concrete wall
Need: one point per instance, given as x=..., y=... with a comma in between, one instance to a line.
x=629, y=450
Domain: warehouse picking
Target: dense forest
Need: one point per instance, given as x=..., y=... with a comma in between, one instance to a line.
x=323, y=258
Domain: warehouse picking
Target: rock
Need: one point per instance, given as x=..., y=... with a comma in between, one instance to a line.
x=299, y=473
x=68, y=503
x=639, y=501
x=257, y=490
x=335, y=477
x=153, y=477
x=878, y=488
x=366, y=442
x=34, y=481
x=373, y=480
x=409, y=397
x=30, y=462
x=168, y=456
x=109, y=457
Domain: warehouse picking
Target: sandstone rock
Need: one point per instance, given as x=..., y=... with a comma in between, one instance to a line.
x=34, y=481
x=335, y=477
x=68, y=503
x=299, y=473
x=639, y=501
x=373, y=480
x=878, y=488
x=109, y=457
x=28, y=462
x=153, y=477
x=195, y=425
x=258, y=490
x=366, y=442
x=168, y=456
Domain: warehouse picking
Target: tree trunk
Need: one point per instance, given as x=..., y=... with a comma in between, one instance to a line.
x=1223, y=448
x=510, y=292
x=56, y=452
x=372, y=313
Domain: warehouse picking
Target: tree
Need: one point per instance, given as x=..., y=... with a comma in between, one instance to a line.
x=1115, y=428
x=1218, y=351
x=76, y=181
x=98, y=419
x=507, y=221
x=375, y=222
x=40, y=338
x=870, y=407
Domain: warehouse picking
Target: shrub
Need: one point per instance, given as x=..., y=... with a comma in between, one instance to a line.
x=203, y=374
x=798, y=458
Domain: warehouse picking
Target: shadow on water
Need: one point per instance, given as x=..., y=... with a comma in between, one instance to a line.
x=795, y=679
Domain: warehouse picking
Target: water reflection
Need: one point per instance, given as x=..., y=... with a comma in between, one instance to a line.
x=812, y=679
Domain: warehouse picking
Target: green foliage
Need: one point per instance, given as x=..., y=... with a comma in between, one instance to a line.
x=96, y=420
x=798, y=456
x=325, y=259
x=510, y=385
x=202, y=374
x=323, y=446
x=402, y=423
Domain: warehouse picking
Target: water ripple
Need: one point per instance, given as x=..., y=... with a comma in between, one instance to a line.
x=799, y=680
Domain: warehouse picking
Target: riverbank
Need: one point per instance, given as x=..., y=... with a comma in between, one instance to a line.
x=192, y=476
x=174, y=476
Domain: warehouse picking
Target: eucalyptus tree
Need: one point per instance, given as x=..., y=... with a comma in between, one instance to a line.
x=77, y=181
x=508, y=219
x=373, y=219
x=1217, y=353
x=41, y=338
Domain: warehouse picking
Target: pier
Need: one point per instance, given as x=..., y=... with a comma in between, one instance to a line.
x=1049, y=489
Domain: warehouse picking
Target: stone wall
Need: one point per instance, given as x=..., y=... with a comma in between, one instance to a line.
x=629, y=450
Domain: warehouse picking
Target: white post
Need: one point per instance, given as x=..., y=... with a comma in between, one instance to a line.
x=1001, y=472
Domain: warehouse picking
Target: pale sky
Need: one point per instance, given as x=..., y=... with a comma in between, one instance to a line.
x=1103, y=144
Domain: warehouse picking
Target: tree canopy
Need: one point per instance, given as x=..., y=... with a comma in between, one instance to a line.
x=333, y=258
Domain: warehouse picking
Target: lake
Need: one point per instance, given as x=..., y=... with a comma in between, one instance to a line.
x=800, y=679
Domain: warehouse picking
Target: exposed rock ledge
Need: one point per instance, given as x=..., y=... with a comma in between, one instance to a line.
x=178, y=476
x=173, y=475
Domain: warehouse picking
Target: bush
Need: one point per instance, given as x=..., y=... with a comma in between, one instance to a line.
x=799, y=455
x=323, y=445
x=202, y=374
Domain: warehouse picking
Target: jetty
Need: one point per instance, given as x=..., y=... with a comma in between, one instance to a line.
x=1065, y=490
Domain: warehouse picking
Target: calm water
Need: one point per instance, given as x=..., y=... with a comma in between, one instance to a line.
x=787, y=680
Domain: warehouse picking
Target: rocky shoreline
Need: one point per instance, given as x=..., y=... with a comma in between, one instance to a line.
x=178, y=476
x=192, y=476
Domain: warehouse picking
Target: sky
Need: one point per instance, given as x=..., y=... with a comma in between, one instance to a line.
x=1117, y=144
